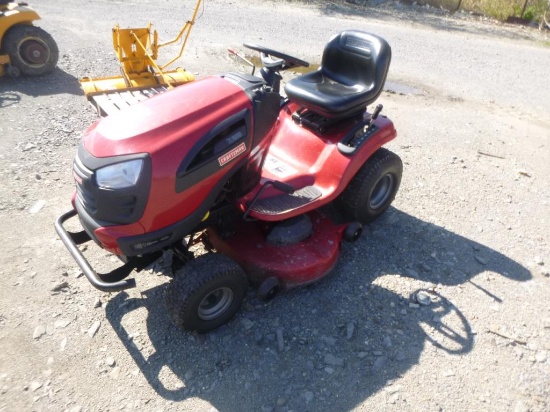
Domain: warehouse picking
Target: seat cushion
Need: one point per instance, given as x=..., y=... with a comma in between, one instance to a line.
x=352, y=74
x=322, y=95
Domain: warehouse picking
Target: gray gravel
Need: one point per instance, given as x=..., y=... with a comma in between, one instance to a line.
x=468, y=233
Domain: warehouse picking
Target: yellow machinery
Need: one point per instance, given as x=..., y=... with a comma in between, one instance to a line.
x=141, y=75
x=24, y=48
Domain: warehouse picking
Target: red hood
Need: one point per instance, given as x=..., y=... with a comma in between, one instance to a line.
x=151, y=124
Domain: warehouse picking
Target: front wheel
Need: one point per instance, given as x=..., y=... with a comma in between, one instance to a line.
x=206, y=292
x=32, y=50
x=373, y=188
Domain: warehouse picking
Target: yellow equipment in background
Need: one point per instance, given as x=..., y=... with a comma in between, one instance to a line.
x=141, y=76
x=24, y=48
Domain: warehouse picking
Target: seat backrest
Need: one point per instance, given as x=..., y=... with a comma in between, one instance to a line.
x=357, y=58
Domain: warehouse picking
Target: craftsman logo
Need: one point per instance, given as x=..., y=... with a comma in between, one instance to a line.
x=226, y=158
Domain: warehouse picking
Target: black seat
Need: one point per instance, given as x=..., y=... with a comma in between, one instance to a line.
x=352, y=73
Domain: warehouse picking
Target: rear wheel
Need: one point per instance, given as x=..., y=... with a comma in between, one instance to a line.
x=32, y=50
x=206, y=292
x=373, y=188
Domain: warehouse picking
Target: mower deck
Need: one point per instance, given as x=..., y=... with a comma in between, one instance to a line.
x=292, y=264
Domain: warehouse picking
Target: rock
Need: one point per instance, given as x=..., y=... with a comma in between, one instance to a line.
x=110, y=361
x=94, y=328
x=333, y=360
x=413, y=305
x=350, y=329
x=329, y=370
x=247, y=323
x=63, y=344
x=387, y=342
x=448, y=373
x=308, y=395
x=281, y=401
x=280, y=339
x=60, y=286
x=329, y=340
x=423, y=298
x=539, y=261
x=393, y=389
x=37, y=206
x=34, y=386
x=400, y=355
x=411, y=273
x=115, y=372
x=379, y=362
x=258, y=337
x=28, y=146
x=97, y=303
x=39, y=331
x=521, y=407
x=61, y=323
x=481, y=260
x=541, y=356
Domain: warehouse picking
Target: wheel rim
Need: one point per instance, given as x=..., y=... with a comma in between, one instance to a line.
x=215, y=303
x=34, y=52
x=381, y=192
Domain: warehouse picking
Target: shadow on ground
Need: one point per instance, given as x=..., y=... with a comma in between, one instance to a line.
x=57, y=82
x=345, y=338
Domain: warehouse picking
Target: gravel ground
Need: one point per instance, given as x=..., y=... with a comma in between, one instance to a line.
x=469, y=230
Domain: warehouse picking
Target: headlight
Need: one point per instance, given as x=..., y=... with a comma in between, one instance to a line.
x=119, y=175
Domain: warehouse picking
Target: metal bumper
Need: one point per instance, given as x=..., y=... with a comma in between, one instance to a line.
x=113, y=281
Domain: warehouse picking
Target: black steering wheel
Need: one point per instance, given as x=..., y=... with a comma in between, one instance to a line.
x=287, y=63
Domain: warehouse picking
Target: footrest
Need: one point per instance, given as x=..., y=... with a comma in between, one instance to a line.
x=285, y=202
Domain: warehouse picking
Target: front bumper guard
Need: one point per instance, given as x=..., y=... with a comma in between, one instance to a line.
x=113, y=281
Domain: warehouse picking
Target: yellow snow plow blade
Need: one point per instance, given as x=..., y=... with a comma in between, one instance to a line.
x=141, y=75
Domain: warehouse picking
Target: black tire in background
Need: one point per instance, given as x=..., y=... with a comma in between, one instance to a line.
x=32, y=50
x=206, y=292
x=373, y=188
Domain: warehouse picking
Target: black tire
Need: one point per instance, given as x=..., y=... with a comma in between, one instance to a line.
x=206, y=292
x=353, y=232
x=32, y=50
x=373, y=188
x=269, y=288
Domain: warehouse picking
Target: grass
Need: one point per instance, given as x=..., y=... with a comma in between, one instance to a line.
x=499, y=9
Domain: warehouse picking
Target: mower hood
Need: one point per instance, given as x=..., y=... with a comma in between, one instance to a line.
x=153, y=124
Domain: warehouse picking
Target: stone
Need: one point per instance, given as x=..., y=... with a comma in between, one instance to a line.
x=350, y=329
x=94, y=328
x=481, y=260
x=308, y=395
x=61, y=323
x=115, y=373
x=60, y=286
x=247, y=323
x=333, y=360
x=280, y=339
x=110, y=361
x=379, y=362
x=37, y=207
x=39, y=331
x=541, y=356
x=34, y=386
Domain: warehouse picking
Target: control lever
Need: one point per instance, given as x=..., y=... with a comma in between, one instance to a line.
x=283, y=187
x=373, y=117
x=240, y=56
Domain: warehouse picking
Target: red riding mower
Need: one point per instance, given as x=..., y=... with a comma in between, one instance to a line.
x=228, y=162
